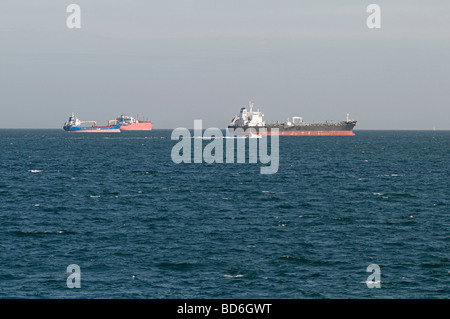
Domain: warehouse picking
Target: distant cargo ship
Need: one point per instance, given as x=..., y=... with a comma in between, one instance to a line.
x=296, y=127
x=73, y=125
x=128, y=123
x=121, y=123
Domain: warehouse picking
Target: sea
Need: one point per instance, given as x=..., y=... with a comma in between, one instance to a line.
x=112, y=216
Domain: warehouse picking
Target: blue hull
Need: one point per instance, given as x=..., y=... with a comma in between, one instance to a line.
x=92, y=129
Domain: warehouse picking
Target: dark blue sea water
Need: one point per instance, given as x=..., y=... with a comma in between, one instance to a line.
x=140, y=226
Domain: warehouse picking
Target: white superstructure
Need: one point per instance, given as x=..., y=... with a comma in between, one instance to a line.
x=73, y=121
x=126, y=119
x=249, y=118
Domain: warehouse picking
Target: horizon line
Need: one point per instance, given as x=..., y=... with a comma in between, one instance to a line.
x=156, y=129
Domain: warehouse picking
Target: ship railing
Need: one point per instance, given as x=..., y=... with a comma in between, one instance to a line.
x=95, y=123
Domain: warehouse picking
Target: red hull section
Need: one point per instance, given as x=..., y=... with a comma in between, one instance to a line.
x=143, y=126
x=310, y=133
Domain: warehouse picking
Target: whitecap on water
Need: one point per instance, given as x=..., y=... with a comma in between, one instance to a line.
x=35, y=171
x=235, y=276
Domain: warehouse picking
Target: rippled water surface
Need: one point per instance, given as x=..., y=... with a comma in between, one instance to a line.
x=140, y=226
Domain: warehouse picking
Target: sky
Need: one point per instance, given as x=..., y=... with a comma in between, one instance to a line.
x=176, y=61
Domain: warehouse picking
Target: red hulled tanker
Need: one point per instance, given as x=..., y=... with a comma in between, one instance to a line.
x=254, y=121
x=128, y=123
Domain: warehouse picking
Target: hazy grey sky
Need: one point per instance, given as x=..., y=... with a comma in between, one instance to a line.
x=174, y=61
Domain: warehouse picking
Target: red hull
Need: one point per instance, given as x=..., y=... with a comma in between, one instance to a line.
x=143, y=126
